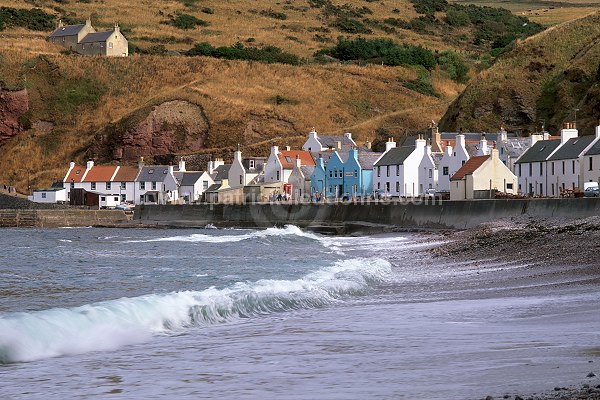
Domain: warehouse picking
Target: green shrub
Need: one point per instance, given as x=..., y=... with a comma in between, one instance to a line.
x=207, y=10
x=267, y=54
x=454, y=65
x=186, y=21
x=279, y=100
x=273, y=14
x=34, y=19
x=456, y=17
x=429, y=6
x=350, y=25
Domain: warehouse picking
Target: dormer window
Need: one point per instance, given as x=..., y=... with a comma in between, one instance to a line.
x=165, y=171
x=151, y=171
x=288, y=159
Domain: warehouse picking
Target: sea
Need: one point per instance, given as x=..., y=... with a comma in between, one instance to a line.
x=282, y=313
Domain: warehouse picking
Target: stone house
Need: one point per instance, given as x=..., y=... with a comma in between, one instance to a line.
x=84, y=39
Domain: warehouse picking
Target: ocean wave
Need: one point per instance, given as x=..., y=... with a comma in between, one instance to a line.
x=111, y=324
x=288, y=230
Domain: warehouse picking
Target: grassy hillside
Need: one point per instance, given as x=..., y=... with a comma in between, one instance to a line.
x=84, y=107
x=542, y=80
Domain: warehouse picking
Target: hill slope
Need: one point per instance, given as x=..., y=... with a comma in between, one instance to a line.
x=542, y=80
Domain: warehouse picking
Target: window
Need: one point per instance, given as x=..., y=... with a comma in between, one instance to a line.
x=277, y=175
x=519, y=170
x=331, y=174
x=153, y=185
x=110, y=45
x=251, y=163
x=142, y=185
x=552, y=167
x=530, y=168
x=72, y=185
x=387, y=187
x=43, y=195
x=141, y=198
x=123, y=198
x=563, y=163
x=116, y=198
x=378, y=185
x=378, y=171
x=204, y=185
x=541, y=168
x=388, y=170
x=463, y=162
x=590, y=168
x=509, y=186
x=108, y=185
x=552, y=187
x=355, y=173
x=93, y=185
x=573, y=169
x=397, y=187
x=541, y=188
x=123, y=185
x=241, y=179
x=103, y=198
x=430, y=173
x=397, y=170
x=445, y=170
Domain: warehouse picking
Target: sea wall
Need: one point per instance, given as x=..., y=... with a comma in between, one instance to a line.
x=32, y=218
x=341, y=217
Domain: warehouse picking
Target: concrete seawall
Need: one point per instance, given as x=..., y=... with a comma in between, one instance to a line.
x=61, y=218
x=339, y=217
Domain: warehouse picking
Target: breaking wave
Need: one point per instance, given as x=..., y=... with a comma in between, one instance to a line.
x=288, y=230
x=111, y=324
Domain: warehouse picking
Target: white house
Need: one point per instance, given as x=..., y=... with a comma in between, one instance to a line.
x=396, y=172
x=281, y=163
x=50, y=195
x=452, y=160
x=481, y=177
x=156, y=184
x=244, y=171
x=317, y=144
x=106, y=180
x=428, y=173
x=590, y=165
x=193, y=184
x=531, y=166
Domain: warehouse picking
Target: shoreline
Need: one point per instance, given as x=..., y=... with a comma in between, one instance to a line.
x=543, y=245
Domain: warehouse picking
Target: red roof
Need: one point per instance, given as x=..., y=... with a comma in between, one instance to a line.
x=76, y=174
x=100, y=173
x=469, y=167
x=288, y=158
x=126, y=174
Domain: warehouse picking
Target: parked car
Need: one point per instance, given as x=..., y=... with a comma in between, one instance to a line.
x=123, y=207
x=591, y=191
x=430, y=193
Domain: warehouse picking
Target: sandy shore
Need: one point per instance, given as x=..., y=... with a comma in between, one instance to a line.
x=571, y=245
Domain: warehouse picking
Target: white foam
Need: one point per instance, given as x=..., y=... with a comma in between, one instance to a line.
x=111, y=324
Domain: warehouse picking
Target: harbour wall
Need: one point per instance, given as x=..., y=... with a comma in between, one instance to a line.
x=349, y=217
x=67, y=217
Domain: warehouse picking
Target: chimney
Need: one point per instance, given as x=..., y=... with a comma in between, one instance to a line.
x=287, y=148
x=503, y=134
x=483, y=146
x=171, y=169
x=60, y=24
x=495, y=154
x=436, y=140
x=348, y=135
x=390, y=144
x=181, y=164
x=598, y=130
x=568, y=132
x=428, y=147
x=320, y=162
x=237, y=155
x=312, y=133
x=460, y=140
x=546, y=135
x=72, y=165
x=536, y=137
x=141, y=163
x=338, y=145
x=89, y=164
x=298, y=162
x=274, y=150
x=420, y=142
x=368, y=144
x=88, y=22
x=117, y=29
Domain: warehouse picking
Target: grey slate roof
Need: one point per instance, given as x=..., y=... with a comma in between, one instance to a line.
x=189, y=178
x=572, y=148
x=595, y=149
x=259, y=164
x=96, y=37
x=153, y=173
x=307, y=170
x=517, y=146
x=539, y=151
x=213, y=188
x=396, y=156
x=221, y=172
x=69, y=30
x=437, y=158
x=366, y=160
x=331, y=141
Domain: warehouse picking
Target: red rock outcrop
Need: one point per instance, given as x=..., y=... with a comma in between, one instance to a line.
x=12, y=106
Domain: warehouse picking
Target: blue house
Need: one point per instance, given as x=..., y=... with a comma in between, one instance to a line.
x=334, y=170
x=318, y=179
x=358, y=172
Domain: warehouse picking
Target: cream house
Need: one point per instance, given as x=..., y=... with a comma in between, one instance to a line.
x=481, y=177
x=84, y=39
